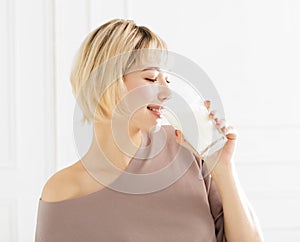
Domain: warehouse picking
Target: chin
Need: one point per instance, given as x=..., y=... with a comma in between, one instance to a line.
x=155, y=126
x=147, y=121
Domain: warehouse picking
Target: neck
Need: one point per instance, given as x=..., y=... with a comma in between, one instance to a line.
x=118, y=144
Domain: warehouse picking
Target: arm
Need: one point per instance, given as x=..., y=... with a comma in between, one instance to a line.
x=240, y=221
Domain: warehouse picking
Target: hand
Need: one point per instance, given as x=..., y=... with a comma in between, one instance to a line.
x=229, y=132
x=227, y=153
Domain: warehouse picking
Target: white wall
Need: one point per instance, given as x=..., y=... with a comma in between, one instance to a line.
x=249, y=49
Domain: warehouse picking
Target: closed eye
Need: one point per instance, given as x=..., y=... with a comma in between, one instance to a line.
x=154, y=80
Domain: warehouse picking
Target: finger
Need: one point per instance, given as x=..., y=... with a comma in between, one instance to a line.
x=231, y=133
x=220, y=123
x=212, y=114
x=231, y=136
x=207, y=104
x=181, y=141
x=179, y=136
x=223, y=130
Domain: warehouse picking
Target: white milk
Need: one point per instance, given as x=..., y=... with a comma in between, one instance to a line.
x=198, y=129
x=186, y=111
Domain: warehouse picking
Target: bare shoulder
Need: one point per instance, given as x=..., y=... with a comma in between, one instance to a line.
x=70, y=182
x=62, y=185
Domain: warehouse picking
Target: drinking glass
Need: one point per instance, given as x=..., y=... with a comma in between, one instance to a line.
x=186, y=111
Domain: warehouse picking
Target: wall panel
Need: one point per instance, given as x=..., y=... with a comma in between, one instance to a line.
x=7, y=77
x=8, y=219
x=249, y=49
x=71, y=27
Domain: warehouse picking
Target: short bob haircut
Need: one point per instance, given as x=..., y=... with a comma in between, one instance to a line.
x=91, y=74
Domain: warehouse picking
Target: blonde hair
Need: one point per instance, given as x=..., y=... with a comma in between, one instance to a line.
x=97, y=64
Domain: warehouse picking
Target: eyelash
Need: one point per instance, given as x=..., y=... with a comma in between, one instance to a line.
x=154, y=80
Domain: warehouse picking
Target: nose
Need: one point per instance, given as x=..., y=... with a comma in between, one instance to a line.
x=164, y=94
x=164, y=91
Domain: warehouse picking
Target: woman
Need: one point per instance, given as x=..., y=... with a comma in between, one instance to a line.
x=91, y=201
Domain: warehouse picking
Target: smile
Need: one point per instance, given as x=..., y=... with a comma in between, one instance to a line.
x=154, y=109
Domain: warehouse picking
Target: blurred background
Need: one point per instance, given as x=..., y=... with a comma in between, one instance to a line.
x=249, y=48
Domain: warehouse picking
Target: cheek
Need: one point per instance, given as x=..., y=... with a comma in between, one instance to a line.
x=130, y=86
x=140, y=113
x=141, y=96
x=148, y=93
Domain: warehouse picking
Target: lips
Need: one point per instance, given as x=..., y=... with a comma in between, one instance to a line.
x=155, y=109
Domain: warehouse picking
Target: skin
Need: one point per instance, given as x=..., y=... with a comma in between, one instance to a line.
x=240, y=221
x=74, y=181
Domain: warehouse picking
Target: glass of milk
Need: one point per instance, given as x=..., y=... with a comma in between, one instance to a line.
x=186, y=112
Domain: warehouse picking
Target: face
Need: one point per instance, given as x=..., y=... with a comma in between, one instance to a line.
x=149, y=87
